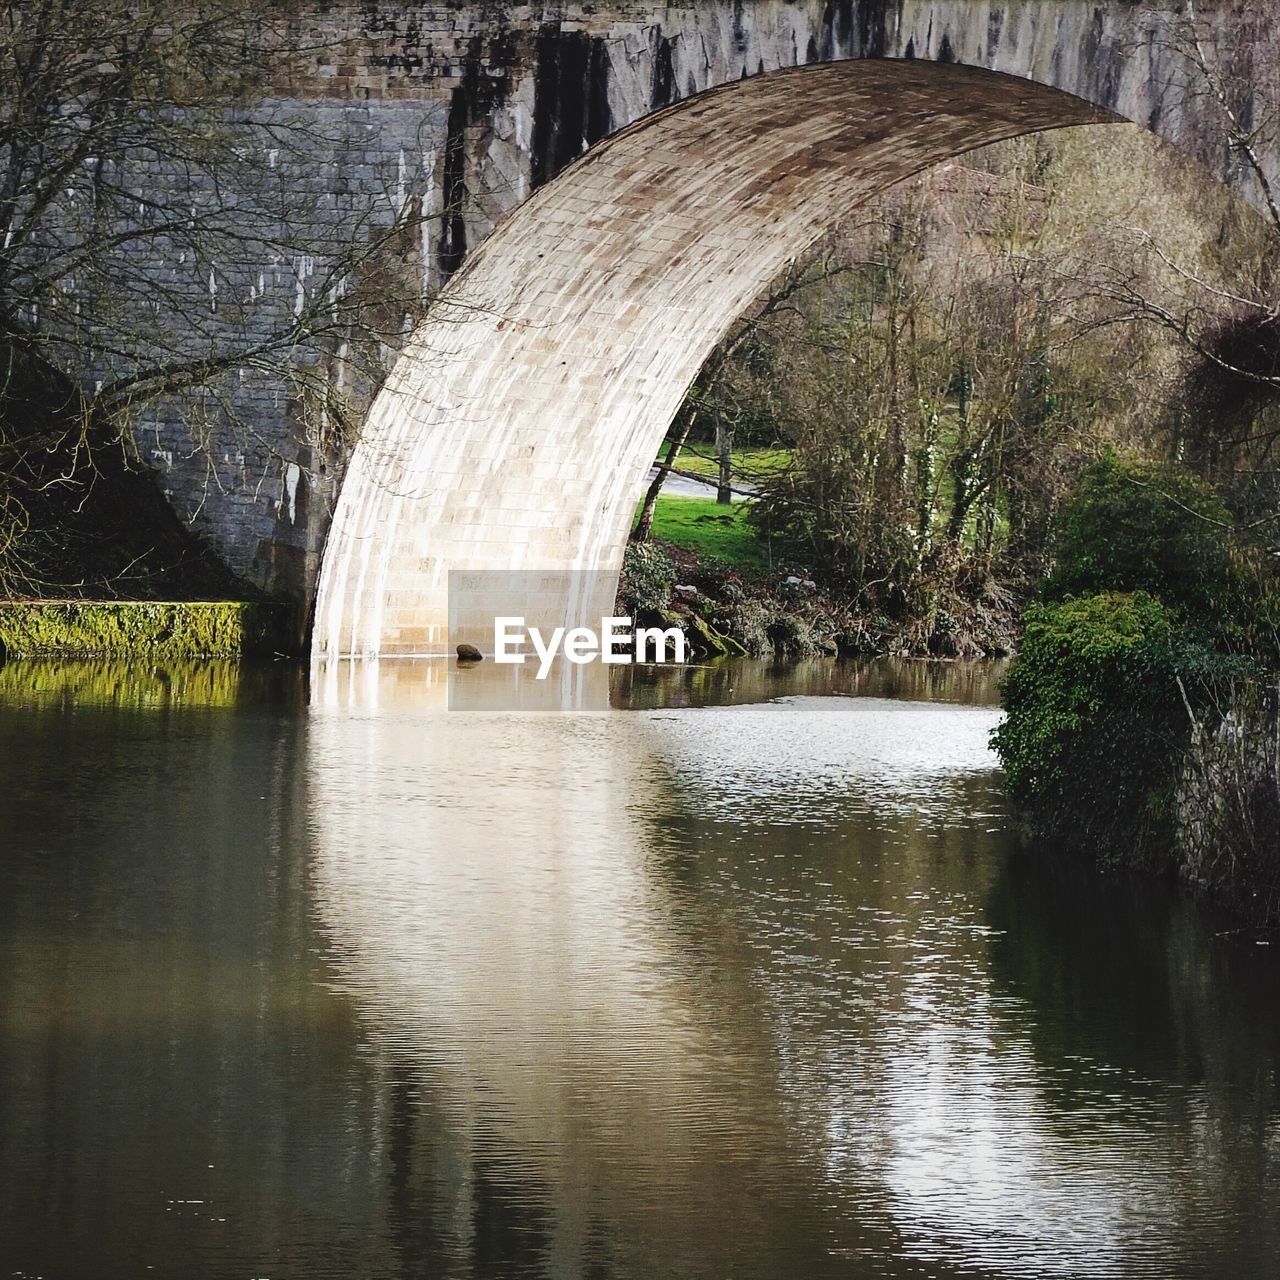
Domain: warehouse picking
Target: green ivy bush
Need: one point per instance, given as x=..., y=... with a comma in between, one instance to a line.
x=648, y=575
x=1098, y=713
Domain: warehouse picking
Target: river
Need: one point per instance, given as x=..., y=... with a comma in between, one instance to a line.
x=746, y=977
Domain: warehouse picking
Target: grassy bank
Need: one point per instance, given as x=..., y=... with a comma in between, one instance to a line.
x=769, y=600
x=708, y=528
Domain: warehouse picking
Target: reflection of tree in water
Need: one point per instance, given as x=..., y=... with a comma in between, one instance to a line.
x=1136, y=1006
x=445, y=1219
x=748, y=680
x=1131, y=972
x=178, y=1080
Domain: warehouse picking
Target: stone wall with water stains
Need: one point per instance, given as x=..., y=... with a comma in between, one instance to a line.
x=462, y=110
x=1227, y=811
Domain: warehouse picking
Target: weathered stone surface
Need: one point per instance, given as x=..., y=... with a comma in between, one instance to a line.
x=519, y=424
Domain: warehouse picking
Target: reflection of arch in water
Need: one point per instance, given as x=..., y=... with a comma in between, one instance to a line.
x=487, y=887
x=586, y=1002
x=518, y=424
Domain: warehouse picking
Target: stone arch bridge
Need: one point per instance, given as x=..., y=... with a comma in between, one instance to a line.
x=615, y=181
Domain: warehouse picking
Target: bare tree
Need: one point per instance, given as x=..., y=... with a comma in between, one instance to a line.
x=164, y=235
x=1226, y=313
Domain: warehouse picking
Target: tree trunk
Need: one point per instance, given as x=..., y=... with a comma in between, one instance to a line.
x=961, y=467
x=644, y=525
x=724, y=455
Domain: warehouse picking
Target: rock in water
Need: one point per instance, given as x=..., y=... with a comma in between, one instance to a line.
x=469, y=653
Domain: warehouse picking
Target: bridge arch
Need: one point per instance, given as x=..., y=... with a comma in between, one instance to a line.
x=518, y=424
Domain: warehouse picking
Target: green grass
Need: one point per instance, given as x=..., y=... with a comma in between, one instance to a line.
x=705, y=527
x=748, y=464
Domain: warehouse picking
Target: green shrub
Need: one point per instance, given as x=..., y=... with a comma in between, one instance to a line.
x=792, y=636
x=648, y=574
x=1134, y=526
x=1097, y=720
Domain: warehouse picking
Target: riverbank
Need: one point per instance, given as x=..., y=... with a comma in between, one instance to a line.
x=1140, y=717
x=162, y=631
x=1227, y=806
x=746, y=608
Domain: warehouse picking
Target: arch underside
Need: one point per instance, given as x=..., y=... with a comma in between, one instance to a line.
x=517, y=426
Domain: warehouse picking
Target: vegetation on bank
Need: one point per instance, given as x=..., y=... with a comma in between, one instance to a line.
x=1003, y=412
x=161, y=631
x=722, y=611
x=911, y=403
x=1100, y=706
x=732, y=606
x=1153, y=639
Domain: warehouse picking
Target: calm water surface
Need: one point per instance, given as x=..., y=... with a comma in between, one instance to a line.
x=744, y=978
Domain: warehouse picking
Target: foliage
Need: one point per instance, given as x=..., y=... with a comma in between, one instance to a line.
x=939, y=368
x=1131, y=525
x=931, y=382
x=1238, y=371
x=826, y=511
x=648, y=574
x=1099, y=708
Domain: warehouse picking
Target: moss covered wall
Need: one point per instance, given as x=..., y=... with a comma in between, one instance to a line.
x=159, y=630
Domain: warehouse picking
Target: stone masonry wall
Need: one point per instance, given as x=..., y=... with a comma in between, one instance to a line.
x=1228, y=806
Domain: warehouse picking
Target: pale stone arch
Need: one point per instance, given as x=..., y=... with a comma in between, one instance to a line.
x=518, y=424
